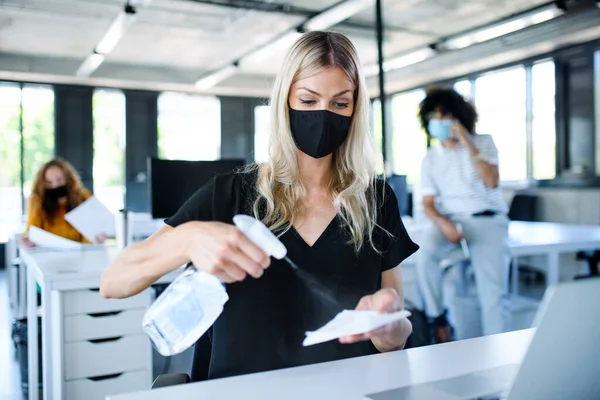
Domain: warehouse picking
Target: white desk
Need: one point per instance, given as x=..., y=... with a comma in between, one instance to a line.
x=143, y=227
x=540, y=238
x=552, y=240
x=65, y=278
x=352, y=379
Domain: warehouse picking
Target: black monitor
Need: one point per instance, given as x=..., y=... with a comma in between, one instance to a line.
x=399, y=186
x=172, y=182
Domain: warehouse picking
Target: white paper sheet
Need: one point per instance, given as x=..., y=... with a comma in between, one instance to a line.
x=91, y=218
x=351, y=322
x=43, y=238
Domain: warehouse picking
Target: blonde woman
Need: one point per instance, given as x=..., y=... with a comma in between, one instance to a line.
x=318, y=192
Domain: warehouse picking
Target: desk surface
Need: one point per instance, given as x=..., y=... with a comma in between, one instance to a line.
x=543, y=234
x=73, y=269
x=352, y=379
x=529, y=238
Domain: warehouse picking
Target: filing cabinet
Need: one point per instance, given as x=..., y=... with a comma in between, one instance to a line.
x=105, y=350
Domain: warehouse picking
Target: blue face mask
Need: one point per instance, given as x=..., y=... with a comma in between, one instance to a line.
x=440, y=128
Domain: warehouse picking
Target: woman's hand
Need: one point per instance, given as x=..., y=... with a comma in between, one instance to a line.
x=389, y=337
x=449, y=230
x=224, y=251
x=101, y=238
x=460, y=133
x=27, y=243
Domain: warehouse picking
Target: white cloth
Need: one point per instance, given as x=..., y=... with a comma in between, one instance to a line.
x=451, y=176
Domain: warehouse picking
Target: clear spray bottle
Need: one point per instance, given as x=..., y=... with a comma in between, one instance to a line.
x=191, y=304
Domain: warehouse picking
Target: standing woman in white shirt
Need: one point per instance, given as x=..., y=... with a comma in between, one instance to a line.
x=460, y=186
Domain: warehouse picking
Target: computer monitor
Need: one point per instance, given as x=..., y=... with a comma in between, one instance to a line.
x=399, y=186
x=172, y=182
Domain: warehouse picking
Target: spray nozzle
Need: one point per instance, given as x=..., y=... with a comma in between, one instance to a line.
x=260, y=235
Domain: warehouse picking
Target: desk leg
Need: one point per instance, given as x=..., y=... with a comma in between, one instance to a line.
x=553, y=268
x=515, y=276
x=47, y=343
x=57, y=345
x=22, y=291
x=32, y=336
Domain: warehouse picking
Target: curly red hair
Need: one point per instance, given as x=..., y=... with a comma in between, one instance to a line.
x=39, y=203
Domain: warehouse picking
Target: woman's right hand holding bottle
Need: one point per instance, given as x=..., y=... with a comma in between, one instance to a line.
x=224, y=251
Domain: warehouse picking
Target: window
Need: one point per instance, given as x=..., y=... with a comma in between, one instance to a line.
x=26, y=141
x=377, y=136
x=500, y=102
x=464, y=87
x=189, y=127
x=262, y=133
x=543, y=123
x=38, y=131
x=109, y=148
x=409, y=141
x=10, y=152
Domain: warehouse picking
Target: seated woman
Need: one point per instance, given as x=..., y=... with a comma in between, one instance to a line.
x=57, y=189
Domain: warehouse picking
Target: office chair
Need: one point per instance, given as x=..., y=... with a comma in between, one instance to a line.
x=592, y=258
x=524, y=208
x=200, y=366
x=170, y=380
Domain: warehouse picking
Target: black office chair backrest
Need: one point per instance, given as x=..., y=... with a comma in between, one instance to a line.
x=170, y=380
x=523, y=207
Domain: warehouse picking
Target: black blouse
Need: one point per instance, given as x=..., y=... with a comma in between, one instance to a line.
x=264, y=322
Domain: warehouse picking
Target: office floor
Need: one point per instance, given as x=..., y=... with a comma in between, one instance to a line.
x=10, y=377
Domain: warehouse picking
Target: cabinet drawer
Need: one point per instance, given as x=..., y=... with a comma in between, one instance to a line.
x=103, y=325
x=89, y=301
x=97, y=388
x=105, y=357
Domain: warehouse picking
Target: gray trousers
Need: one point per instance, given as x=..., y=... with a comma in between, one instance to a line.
x=487, y=239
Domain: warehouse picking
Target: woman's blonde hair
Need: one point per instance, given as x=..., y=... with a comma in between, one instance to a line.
x=40, y=204
x=280, y=189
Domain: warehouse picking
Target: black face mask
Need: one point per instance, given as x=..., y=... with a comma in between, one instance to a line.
x=57, y=192
x=318, y=133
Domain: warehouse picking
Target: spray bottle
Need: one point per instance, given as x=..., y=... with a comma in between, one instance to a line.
x=191, y=304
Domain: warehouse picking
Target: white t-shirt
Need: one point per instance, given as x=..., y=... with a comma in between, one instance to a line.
x=451, y=176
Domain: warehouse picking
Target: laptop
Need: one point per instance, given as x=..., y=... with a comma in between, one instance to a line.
x=562, y=361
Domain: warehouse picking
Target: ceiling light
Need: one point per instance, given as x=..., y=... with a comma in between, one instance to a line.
x=283, y=43
x=91, y=63
x=408, y=59
x=503, y=28
x=116, y=30
x=337, y=14
x=400, y=61
x=210, y=80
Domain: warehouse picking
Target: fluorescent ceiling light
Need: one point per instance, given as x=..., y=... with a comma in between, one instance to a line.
x=337, y=14
x=502, y=28
x=322, y=21
x=408, y=59
x=208, y=81
x=401, y=61
x=91, y=63
x=115, y=31
x=283, y=43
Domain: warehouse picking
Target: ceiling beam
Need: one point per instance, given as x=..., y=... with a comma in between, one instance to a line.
x=262, y=6
x=256, y=5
